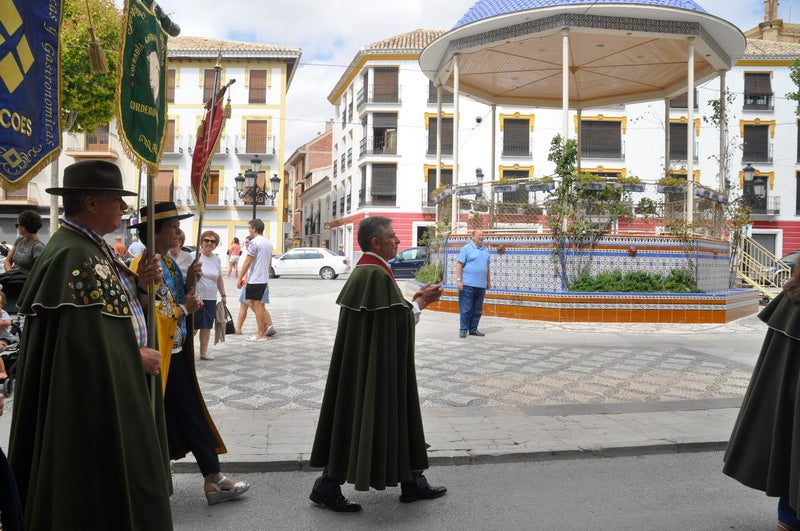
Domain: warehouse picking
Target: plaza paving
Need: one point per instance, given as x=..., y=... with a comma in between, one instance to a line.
x=528, y=390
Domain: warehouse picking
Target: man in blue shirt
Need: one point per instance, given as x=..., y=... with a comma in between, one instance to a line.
x=473, y=279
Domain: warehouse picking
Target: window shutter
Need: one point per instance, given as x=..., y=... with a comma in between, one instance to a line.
x=256, y=136
x=163, y=186
x=601, y=139
x=258, y=86
x=758, y=84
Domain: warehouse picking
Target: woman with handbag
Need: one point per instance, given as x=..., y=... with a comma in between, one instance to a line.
x=189, y=425
x=207, y=287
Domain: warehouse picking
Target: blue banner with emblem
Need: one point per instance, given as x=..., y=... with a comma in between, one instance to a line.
x=30, y=89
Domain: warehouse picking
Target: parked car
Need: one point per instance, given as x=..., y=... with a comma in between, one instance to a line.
x=408, y=262
x=309, y=261
x=779, y=275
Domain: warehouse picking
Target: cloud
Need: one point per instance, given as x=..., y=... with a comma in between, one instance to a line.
x=331, y=33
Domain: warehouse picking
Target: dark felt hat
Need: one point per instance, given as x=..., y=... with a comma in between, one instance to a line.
x=163, y=210
x=94, y=175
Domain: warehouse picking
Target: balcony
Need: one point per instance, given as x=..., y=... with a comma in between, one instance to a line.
x=759, y=102
x=516, y=147
x=377, y=145
x=765, y=206
x=603, y=152
x=89, y=147
x=379, y=94
x=264, y=147
x=757, y=155
x=367, y=198
x=677, y=153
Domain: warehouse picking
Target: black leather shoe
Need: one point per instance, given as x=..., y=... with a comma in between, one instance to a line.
x=462, y=333
x=337, y=505
x=477, y=333
x=419, y=489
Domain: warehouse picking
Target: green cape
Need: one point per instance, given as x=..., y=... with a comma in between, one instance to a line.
x=85, y=448
x=370, y=426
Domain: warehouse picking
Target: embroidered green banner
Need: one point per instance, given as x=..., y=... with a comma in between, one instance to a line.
x=30, y=89
x=141, y=100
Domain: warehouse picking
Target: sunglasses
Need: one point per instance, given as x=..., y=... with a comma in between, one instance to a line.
x=205, y=240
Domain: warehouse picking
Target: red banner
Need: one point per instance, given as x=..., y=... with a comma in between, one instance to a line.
x=207, y=143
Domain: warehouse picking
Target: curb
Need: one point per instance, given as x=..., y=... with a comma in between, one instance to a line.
x=301, y=465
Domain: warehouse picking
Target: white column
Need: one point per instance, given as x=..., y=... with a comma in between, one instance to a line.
x=690, y=137
x=723, y=130
x=667, y=160
x=565, y=84
x=454, y=212
x=438, y=136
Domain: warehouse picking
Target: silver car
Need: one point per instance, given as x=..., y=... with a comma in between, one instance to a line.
x=309, y=261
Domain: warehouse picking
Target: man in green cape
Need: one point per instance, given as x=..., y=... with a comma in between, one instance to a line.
x=87, y=448
x=370, y=426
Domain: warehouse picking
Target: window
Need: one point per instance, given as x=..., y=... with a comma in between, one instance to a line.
x=256, y=136
x=212, y=196
x=258, y=86
x=797, y=194
x=208, y=84
x=756, y=146
x=681, y=101
x=601, y=139
x=385, y=89
x=384, y=184
x=447, y=96
x=98, y=141
x=758, y=91
x=516, y=137
x=170, y=85
x=169, y=137
x=447, y=135
x=677, y=141
x=446, y=177
x=164, y=188
x=384, y=133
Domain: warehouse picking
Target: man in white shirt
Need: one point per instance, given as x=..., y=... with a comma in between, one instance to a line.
x=258, y=262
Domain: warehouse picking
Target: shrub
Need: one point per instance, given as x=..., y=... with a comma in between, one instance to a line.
x=678, y=281
x=430, y=273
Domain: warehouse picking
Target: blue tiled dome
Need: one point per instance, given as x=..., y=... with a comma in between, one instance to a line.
x=492, y=8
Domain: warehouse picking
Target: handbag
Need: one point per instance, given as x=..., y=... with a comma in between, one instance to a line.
x=230, y=328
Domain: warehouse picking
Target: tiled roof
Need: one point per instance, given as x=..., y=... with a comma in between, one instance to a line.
x=491, y=8
x=177, y=45
x=761, y=49
x=413, y=41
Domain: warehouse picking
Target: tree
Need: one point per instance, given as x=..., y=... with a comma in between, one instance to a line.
x=87, y=100
x=794, y=74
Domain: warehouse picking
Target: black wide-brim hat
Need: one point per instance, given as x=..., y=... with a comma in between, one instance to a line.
x=91, y=175
x=161, y=211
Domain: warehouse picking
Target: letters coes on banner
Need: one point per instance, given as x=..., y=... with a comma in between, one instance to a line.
x=141, y=100
x=30, y=123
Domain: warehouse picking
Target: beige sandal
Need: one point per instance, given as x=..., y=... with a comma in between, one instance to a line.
x=215, y=492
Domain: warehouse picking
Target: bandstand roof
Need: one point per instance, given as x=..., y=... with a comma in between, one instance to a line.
x=510, y=51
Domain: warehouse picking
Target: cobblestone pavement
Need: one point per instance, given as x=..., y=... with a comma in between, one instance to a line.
x=518, y=363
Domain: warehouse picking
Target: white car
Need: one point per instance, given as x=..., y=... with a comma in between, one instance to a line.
x=309, y=261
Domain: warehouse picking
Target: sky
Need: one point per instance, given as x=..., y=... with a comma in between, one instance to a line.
x=330, y=34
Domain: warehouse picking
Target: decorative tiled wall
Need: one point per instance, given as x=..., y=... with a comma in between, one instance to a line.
x=525, y=283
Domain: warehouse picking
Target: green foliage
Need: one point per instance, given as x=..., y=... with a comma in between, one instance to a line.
x=678, y=281
x=579, y=217
x=87, y=100
x=716, y=108
x=430, y=273
x=672, y=181
x=794, y=74
x=646, y=207
x=629, y=179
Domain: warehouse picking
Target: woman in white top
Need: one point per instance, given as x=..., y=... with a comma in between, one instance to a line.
x=207, y=287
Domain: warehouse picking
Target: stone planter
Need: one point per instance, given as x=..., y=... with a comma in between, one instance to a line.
x=539, y=186
x=590, y=185
x=441, y=196
x=471, y=189
x=501, y=188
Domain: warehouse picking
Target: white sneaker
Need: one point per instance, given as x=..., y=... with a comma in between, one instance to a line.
x=271, y=331
x=206, y=356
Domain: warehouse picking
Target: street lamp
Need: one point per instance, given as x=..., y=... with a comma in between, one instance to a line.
x=255, y=192
x=755, y=190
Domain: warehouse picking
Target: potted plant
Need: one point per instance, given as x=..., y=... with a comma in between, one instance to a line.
x=671, y=185
x=630, y=183
x=646, y=207
x=589, y=181
x=545, y=184
x=441, y=193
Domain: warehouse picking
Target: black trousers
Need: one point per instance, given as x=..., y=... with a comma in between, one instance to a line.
x=10, y=508
x=182, y=404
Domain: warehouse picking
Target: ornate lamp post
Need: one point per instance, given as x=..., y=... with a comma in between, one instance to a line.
x=255, y=192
